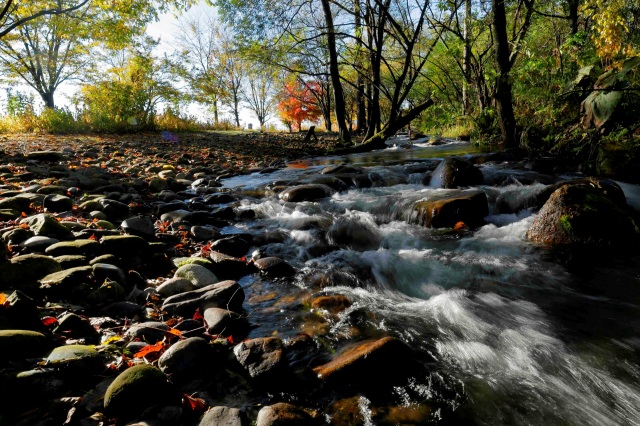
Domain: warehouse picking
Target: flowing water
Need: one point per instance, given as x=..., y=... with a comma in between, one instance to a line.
x=518, y=336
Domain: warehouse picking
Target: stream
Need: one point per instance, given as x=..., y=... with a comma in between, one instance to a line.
x=518, y=336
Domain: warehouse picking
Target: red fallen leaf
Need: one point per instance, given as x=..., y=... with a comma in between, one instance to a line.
x=23, y=214
x=194, y=404
x=197, y=315
x=47, y=321
x=24, y=226
x=243, y=258
x=230, y=340
x=171, y=322
x=93, y=237
x=151, y=349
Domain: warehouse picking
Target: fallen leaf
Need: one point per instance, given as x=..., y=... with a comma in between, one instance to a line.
x=194, y=404
x=47, y=321
x=151, y=349
x=197, y=315
x=175, y=332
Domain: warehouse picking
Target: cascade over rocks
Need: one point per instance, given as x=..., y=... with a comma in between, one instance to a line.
x=455, y=172
x=446, y=210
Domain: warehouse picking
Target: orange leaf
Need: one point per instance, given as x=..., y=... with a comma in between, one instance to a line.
x=149, y=350
x=23, y=214
x=175, y=332
x=93, y=237
x=460, y=226
x=230, y=340
x=3, y=300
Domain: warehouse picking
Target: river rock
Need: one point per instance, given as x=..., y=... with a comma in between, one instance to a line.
x=284, y=414
x=354, y=234
x=67, y=278
x=123, y=245
x=310, y=192
x=198, y=275
x=56, y=203
x=233, y=245
x=224, y=416
x=123, y=309
x=262, y=358
x=225, y=322
x=175, y=285
x=21, y=344
x=150, y=331
x=26, y=269
x=188, y=359
x=445, y=211
x=76, y=357
x=48, y=226
x=105, y=271
x=20, y=312
x=341, y=169
x=84, y=247
x=74, y=326
x=230, y=268
x=274, y=267
x=332, y=303
x=140, y=226
x=388, y=357
x=136, y=390
x=37, y=244
x=16, y=236
x=455, y=173
x=585, y=215
x=225, y=294
x=46, y=156
x=204, y=233
x=71, y=260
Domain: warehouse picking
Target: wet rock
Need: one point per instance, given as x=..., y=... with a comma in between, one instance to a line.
x=585, y=215
x=76, y=357
x=76, y=327
x=354, y=234
x=56, y=203
x=21, y=344
x=234, y=245
x=469, y=207
x=230, y=268
x=26, y=269
x=225, y=294
x=123, y=245
x=150, y=331
x=140, y=226
x=48, y=226
x=222, y=198
x=284, y=414
x=310, y=192
x=391, y=359
x=37, y=244
x=224, y=322
x=341, y=169
x=274, y=267
x=333, y=303
x=456, y=173
x=198, y=275
x=227, y=416
x=188, y=359
x=175, y=285
x=144, y=385
x=262, y=358
x=75, y=247
x=332, y=182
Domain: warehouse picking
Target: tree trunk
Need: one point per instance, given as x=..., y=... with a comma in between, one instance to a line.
x=466, y=64
x=47, y=98
x=361, y=114
x=215, y=112
x=573, y=16
x=334, y=71
x=503, y=96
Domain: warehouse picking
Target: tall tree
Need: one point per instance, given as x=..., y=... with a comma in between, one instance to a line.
x=259, y=93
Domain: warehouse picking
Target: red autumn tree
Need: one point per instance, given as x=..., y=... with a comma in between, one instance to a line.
x=297, y=104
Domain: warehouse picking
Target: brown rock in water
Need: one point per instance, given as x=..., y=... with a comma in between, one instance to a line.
x=585, y=215
x=284, y=414
x=310, y=192
x=456, y=173
x=261, y=357
x=445, y=211
x=274, y=267
x=389, y=358
x=333, y=303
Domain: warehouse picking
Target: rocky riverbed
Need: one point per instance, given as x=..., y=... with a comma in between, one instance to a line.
x=123, y=292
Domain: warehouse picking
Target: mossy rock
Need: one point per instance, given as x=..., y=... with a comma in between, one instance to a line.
x=76, y=357
x=20, y=344
x=8, y=214
x=137, y=389
x=43, y=224
x=75, y=247
x=27, y=269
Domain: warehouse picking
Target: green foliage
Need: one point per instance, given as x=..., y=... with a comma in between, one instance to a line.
x=58, y=121
x=18, y=103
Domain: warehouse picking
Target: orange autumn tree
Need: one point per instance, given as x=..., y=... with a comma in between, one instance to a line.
x=298, y=104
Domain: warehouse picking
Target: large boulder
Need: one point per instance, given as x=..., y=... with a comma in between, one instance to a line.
x=262, y=358
x=586, y=214
x=20, y=344
x=446, y=210
x=284, y=414
x=456, y=173
x=224, y=416
x=188, y=359
x=46, y=225
x=197, y=274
